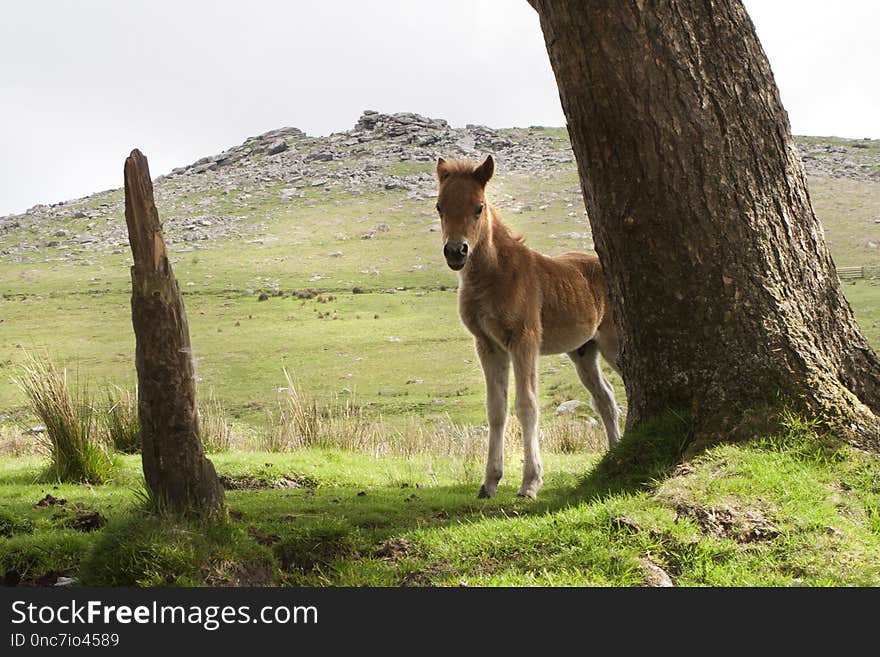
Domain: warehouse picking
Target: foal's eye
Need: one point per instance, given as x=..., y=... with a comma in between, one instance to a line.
x=479, y=209
x=438, y=207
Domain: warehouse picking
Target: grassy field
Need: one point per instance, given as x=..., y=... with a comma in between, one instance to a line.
x=396, y=344
x=373, y=323
x=787, y=511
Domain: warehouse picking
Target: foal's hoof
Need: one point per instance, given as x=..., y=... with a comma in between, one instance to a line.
x=484, y=493
x=530, y=489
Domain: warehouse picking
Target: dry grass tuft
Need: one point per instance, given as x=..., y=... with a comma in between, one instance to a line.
x=218, y=434
x=70, y=438
x=121, y=420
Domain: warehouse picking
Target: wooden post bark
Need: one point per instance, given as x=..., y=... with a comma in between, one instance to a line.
x=174, y=462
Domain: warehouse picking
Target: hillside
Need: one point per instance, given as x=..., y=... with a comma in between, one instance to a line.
x=228, y=195
x=339, y=237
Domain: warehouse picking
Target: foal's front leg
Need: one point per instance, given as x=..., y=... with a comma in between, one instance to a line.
x=525, y=371
x=496, y=368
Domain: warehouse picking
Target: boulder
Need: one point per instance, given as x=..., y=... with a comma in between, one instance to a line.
x=569, y=407
x=278, y=147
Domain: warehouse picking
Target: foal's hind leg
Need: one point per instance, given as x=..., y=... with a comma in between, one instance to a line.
x=496, y=368
x=586, y=362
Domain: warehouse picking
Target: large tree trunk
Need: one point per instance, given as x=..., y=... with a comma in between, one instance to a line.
x=723, y=288
x=175, y=466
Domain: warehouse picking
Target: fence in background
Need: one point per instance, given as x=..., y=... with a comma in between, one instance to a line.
x=850, y=273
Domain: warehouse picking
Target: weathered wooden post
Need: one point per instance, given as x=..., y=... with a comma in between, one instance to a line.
x=174, y=462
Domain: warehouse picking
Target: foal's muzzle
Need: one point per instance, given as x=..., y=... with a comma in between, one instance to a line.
x=455, y=254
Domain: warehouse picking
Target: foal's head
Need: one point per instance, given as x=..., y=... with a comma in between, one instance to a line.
x=461, y=203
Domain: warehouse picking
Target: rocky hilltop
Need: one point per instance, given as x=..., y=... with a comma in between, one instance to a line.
x=215, y=196
x=357, y=160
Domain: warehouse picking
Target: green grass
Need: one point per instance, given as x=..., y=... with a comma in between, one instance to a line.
x=864, y=297
x=786, y=511
x=848, y=212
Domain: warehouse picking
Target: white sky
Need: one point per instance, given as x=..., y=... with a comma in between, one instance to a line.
x=82, y=82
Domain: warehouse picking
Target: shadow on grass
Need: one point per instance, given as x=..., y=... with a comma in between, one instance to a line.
x=303, y=535
x=161, y=549
x=286, y=537
x=640, y=459
x=300, y=536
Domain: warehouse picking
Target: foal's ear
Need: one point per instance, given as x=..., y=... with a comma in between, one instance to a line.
x=483, y=173
x=442, y=171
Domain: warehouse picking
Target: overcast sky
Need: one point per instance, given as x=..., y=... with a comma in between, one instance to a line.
x=82, y=82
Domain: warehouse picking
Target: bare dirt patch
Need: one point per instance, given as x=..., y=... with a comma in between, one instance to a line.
x=394, y=550
x=224, y=573
x=82, y=518
x=682, y=469
x=742, y=525
x=51, y=500
x=427, y=575
x=76, y=516
x=252, y=482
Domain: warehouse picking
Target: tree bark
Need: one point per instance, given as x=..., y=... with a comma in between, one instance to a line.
x=174, y=462
x=724, y=292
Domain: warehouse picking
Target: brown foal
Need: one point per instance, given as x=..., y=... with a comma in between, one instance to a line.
x=520, y=304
